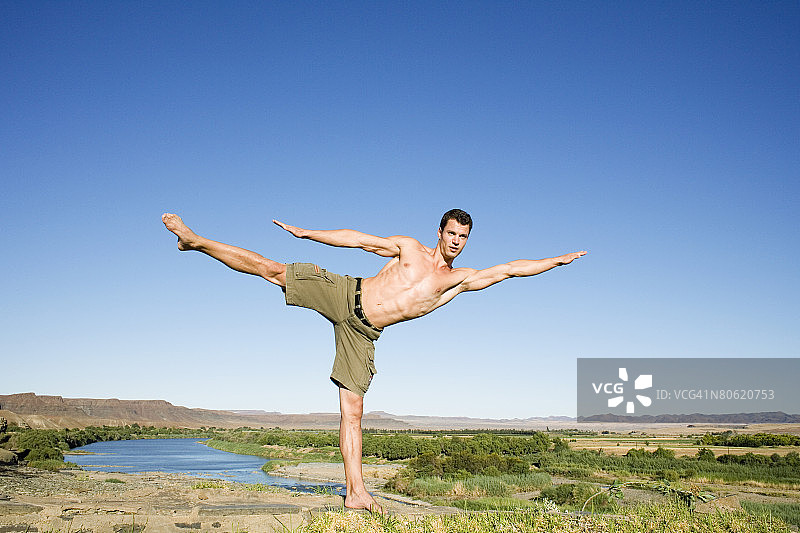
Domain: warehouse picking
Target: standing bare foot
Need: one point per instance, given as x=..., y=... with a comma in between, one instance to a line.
x=186, y=237
x=365, y=501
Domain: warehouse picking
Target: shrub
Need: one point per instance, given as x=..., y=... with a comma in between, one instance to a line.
x=427, y=464
x=569, y=471
x=663, y=453
x=704, y=454
x=668, y=474
x=51, y=464
x=575, y=495
x=44, y=454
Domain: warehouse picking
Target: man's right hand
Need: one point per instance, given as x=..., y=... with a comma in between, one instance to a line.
x=300, y=233
x=569, y=258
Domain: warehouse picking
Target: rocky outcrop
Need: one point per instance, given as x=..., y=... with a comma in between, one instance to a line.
x=7, y=457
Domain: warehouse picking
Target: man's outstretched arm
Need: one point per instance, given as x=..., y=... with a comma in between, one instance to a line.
x=347, y=238
x=480, y=279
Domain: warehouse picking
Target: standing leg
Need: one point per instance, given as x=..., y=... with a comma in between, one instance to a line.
x=238, y=259
x=352, y=407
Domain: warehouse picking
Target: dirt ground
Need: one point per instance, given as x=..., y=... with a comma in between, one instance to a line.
x=82, y=501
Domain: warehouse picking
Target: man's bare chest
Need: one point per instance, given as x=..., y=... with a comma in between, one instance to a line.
x=428, y=280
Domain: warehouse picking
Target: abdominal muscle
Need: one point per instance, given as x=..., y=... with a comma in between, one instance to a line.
x=397, y=294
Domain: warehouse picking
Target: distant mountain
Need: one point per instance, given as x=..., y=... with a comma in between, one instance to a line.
x=57, y=412
x=463, y=422
x=777, y=417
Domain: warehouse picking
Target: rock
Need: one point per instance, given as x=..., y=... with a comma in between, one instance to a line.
x=7, y=508
x=248, y=509
x=8, y=457
x=728, y=503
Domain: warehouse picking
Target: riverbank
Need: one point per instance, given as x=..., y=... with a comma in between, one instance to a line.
x=75, y=500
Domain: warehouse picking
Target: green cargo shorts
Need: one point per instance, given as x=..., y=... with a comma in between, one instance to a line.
x=333, y=296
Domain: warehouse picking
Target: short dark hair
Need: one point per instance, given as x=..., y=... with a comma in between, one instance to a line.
x=462, y=217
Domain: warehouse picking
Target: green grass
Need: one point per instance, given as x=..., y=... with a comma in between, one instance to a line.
x=788, y=512
x=210, y=484
x=495, y=504
x=527, y=482
x=643, y=519
x=325, y=490
x=113, y=480
x=574, y=495
x=471, y=486
x=277, y=463
x=51, y=464
x=243, y=448
x=474, y=486
x=326, y=454
x=251, y=487
x=259, y=487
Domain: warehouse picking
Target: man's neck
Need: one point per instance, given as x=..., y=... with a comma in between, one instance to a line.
x=439, y=259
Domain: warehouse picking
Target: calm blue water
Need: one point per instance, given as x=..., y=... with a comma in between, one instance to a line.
x=183, y=456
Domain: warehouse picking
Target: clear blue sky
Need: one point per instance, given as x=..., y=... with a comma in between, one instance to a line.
x=662, y=137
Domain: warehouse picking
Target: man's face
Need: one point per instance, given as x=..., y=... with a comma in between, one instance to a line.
x=452, y=239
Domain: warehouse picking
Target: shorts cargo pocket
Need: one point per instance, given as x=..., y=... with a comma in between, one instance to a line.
x=311, y=272
x=308, y=285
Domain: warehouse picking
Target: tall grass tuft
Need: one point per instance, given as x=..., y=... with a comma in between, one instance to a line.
x=788, y=512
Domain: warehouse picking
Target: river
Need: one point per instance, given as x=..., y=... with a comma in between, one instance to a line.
x=183, y=456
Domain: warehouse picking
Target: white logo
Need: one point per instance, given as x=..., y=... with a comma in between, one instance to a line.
x=644, y=381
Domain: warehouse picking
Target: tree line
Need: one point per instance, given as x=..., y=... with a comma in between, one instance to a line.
x=755, y=440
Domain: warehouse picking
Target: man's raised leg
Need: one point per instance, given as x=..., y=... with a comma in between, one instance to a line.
x=236, y=258
x=352, y=408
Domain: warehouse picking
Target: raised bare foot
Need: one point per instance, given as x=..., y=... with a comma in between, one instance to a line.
x=364, y=502
x=186, y=237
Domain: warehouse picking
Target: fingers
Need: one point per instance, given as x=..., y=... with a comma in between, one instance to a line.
x=576, y=255
x=569, y=258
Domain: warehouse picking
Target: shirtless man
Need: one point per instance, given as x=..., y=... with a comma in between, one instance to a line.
x=414, y=282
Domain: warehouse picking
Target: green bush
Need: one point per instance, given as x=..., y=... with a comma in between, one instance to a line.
x=668, y=474
x=427, y=464
x=51, y=464
x=44, y=454
x=575, y=495
x=569, y=471
x=529, y=481
x=704, y=454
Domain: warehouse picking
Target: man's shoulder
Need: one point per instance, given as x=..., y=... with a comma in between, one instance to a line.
x=404, y=241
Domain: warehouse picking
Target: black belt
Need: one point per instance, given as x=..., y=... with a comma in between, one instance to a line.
x=358, y=310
